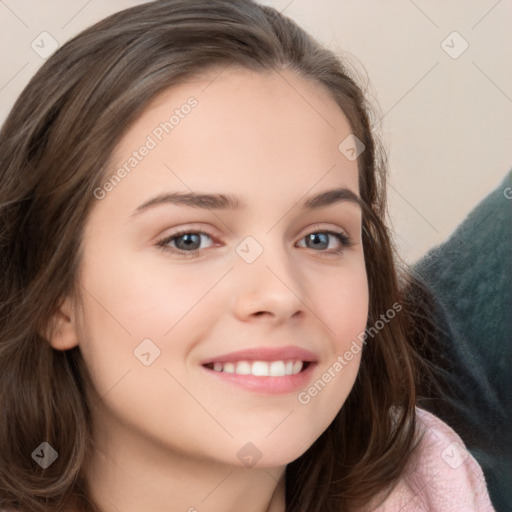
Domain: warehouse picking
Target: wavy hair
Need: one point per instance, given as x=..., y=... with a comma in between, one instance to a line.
x=55, y=148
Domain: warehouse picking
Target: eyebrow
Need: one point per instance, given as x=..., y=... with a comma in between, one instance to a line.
x=231, y=202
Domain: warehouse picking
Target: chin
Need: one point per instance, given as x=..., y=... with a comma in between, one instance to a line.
x=271, y=453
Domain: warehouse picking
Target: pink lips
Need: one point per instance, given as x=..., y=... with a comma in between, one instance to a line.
x=265, y=384
x=265, y=354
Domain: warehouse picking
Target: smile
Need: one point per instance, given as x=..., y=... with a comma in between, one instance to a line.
x=267, y=370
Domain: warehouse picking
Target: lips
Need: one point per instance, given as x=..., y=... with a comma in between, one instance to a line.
x=268, y=354
x=265, y=370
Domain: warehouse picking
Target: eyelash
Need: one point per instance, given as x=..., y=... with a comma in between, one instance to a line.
x=345, y=241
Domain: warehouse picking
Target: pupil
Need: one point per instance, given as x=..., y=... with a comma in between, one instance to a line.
x=316, y=237
x=189, y=239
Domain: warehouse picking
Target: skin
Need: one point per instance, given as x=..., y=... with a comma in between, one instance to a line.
x=167, y=434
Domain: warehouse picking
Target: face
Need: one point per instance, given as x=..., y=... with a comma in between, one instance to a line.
x=211, y=326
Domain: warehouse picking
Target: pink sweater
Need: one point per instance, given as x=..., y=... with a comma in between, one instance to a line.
x=445, y=478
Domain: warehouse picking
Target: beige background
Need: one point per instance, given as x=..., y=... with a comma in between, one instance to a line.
x=447, y=122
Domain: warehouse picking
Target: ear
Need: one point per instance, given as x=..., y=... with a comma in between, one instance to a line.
x=62, y=331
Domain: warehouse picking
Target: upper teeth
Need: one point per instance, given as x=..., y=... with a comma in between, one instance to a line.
x=260, y=368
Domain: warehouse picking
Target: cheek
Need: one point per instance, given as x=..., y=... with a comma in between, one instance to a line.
x=342, y=303
x=135, y=307
x=352, y=313
x=145, y=297
x=125, y=318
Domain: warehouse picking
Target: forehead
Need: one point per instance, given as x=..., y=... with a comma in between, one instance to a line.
x=238, y=129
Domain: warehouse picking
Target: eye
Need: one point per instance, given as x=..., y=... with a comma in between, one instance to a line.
x=184, y=242
x=188, y=242
x=320, y=240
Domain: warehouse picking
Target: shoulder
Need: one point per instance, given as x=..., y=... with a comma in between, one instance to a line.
x=442, y=475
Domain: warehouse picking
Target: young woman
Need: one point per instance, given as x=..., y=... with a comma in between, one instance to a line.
x=199, y=304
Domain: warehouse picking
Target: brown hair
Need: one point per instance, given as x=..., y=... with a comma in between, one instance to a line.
x=54, y=152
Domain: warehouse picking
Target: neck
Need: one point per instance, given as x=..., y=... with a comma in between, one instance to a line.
x=125, y=474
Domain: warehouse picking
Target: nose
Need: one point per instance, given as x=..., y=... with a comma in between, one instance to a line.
x=270, y=288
